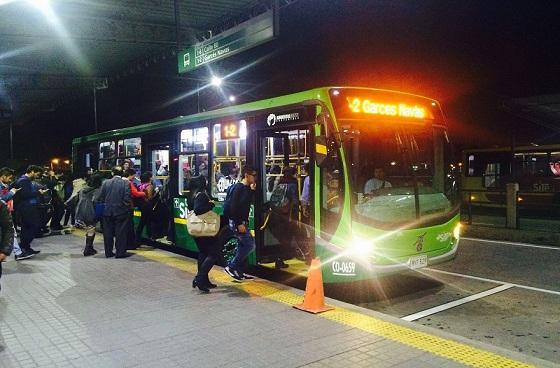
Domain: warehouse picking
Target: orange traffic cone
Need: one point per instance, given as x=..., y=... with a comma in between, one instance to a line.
x=314, y=297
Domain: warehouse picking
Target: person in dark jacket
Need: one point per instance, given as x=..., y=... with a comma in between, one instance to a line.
x=208, y=250
x=7, y=234
x=27, y=209
x=115, y=193
x=237, y=205
x=85, y=211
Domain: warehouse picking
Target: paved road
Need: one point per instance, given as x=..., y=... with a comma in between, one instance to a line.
x=502, y=293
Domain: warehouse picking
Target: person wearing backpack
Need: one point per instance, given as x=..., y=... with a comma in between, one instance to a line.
x=85, y=211
x=237, y=205
x=284, y=202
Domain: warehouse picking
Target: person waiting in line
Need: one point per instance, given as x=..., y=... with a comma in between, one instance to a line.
x=284, y=202
x=377, y=182
x=237, y=205
x=69, y=214
x=306, y=193
x=208, y=250
x=138, y=197
x=7, y=194
x=51, y=182
x=7, y=234
x=115, y=194
x=27, y=207
x=146, y=206
x=85, y=211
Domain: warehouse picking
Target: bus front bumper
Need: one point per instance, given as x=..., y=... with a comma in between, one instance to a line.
x=404, y=266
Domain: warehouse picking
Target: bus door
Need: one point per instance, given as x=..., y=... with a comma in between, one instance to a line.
x=158, y=162
x=283, y=236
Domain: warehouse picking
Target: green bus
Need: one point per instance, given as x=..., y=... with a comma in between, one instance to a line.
x=382, y=197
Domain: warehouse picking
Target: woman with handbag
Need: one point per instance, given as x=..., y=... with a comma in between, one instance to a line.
x=208, y=251
x=86, y=213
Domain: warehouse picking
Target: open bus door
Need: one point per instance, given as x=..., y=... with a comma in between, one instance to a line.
x=288, y=241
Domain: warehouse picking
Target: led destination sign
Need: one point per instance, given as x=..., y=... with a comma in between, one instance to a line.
x=366, y=106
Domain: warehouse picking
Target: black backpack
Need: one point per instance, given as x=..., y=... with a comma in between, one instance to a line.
x=227, y=204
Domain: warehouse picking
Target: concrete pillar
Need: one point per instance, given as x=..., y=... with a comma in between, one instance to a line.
x=511, y=205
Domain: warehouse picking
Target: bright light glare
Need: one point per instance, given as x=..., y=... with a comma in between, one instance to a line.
x=55, y=161
x=48, y=12
x=216, y=81
x=231, y=98
x=361, y=247
x=336, y=92
x=457, y=231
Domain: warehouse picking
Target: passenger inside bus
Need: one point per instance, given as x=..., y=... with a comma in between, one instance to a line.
x=377, y=182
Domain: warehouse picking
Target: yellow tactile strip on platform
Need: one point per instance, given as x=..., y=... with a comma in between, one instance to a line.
x=442, y=347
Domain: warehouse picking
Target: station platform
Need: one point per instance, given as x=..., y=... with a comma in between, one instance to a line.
x=61, y=309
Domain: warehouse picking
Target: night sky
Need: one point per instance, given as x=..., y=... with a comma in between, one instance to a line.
x=467, y=54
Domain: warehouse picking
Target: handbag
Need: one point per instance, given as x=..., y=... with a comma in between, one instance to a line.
x=206, y=224
x=99, y=210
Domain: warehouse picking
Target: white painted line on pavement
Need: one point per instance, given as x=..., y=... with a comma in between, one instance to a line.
x=494, y=281
x=453, y=304
x=511, y=243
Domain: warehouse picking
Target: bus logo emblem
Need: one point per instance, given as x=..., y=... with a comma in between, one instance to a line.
x=420, y=242
x=271, y=120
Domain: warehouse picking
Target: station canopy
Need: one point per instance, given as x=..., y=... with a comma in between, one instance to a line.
x=543, y=111
x=51, y=50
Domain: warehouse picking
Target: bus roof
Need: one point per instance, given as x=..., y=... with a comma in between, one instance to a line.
x=320, y=94
x=544, y=147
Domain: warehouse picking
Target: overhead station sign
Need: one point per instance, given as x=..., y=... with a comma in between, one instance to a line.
x=242, y=37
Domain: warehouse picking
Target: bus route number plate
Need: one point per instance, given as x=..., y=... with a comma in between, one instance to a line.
x=418, y=262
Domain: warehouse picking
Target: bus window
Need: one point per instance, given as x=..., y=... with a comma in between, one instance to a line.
x=191, y=165
x=229, y=157
x=194, y=140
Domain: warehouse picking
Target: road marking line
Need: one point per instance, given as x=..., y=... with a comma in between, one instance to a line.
x=494, y=281
x=443, y=347
x=511, y=243
x=453, y=304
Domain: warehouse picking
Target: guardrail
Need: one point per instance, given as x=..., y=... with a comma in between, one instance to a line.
x=546, y=203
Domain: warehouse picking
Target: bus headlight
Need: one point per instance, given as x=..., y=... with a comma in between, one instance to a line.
x=361, y=247
x=457, y=231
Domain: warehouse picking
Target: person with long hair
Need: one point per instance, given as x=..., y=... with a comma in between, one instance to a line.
x=146, y=206
x=85, y=211
x=208, y=251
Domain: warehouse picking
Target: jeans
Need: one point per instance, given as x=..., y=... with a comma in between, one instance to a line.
x=30, y=225
x=246, y=244
x=17, y=249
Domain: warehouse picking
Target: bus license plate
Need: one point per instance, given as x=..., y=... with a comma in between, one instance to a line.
x=418, y=262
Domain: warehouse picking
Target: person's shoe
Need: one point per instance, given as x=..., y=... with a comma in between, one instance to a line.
x=125, y=255
x=201, y=287
x=89, y=251
x=232, y=273
x=244, y=276
x=209, y=284
x=279, y=264
x=34, y=251
x=24, y=255
x=110, y=255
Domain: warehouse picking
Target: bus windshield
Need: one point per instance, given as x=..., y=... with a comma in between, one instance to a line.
x=399, y=173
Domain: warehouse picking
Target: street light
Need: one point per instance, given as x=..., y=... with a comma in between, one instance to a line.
x=216, y=81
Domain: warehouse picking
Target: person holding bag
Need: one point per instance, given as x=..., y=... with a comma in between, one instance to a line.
x=86, y=214
x=204, y=225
